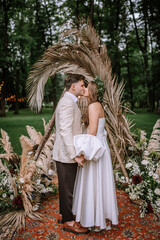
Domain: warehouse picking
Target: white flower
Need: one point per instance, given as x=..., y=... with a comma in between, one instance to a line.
x=4, y=181
x=142, y=215
x=21, y=180
x=133, y=196
x=157, y=191
x=50, y=172
x=4, y=195
x=146, y=153
x=35, y=207
x=131, y=148
x=11, y=197
x=41, y=186
x=144, y=162
x=150, y=173
x=127, y=190
x=127, y=179
x=128, y=165
x=155, y=176
x=43, y=190
x=158, y=203
x=38, y=181
x=49, y=189
x=117, y=176
x=29, y=153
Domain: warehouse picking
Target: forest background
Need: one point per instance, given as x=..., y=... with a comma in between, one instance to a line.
x=129, y=28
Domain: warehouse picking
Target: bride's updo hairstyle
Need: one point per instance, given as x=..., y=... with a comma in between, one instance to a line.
x=92, y=92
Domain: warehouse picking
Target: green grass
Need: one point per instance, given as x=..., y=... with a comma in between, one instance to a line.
x=144, y=120
x=15, y=125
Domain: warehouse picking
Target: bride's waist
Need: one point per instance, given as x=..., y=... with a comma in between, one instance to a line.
x=100, y=136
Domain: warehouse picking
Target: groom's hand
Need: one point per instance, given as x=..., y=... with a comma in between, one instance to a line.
x=80, y=160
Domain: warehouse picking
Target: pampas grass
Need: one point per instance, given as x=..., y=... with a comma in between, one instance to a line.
x=25, y=184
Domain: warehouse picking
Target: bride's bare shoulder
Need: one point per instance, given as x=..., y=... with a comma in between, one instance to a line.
x=96, y=108
x=95, y=105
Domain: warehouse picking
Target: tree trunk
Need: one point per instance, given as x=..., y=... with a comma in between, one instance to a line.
x=99, y=14
x=39, y=28
x=49, y=22
x=5, y=49
x=144, y=51
x=152, y=75
x=77, y=13
x=129, y=75
x=2, y=96
x=17, y=92
x=92, y=11
x=116, y=67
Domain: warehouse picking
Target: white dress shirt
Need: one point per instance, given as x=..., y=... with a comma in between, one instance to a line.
x=73, y=96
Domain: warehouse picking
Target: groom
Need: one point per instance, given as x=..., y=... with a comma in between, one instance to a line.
x=68, y=124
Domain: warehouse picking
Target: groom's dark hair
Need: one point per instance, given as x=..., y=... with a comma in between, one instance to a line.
x=73, y=78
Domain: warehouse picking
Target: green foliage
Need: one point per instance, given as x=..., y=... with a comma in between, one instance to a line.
x=6, y=194
x=143, y=120
x=100, y=88
x=29, y=27
x=19, y=122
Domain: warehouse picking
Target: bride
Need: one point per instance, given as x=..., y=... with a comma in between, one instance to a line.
x=94, y=198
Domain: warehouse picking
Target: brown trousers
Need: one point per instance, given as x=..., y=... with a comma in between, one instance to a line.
x=66, y=178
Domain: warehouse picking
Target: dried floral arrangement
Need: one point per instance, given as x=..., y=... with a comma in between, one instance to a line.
x=82, y=51
x=23, y=180
x=143, y=167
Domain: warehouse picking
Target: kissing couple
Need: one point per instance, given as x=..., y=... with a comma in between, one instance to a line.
x=87, y=196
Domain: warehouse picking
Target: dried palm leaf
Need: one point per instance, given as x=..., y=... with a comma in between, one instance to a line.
x=35, y=136
x=9, y=155
x=45, y=160
x=27, y=153
x=86, y=56
x=154, y=142
x=15, y=219
x=28, y=168
x=6, y=144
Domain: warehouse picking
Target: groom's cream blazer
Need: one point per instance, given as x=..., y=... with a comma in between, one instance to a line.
x=68, y=124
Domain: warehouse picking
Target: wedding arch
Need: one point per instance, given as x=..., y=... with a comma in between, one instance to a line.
x=81, y=51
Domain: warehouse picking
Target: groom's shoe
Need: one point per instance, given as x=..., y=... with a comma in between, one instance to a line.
x=60, y=219
x=76, y=228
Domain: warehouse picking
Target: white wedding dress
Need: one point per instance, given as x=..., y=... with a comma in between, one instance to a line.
x=94, y=197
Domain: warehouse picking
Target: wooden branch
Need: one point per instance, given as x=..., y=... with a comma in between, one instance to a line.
x=116, y=152
x=47, y=133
